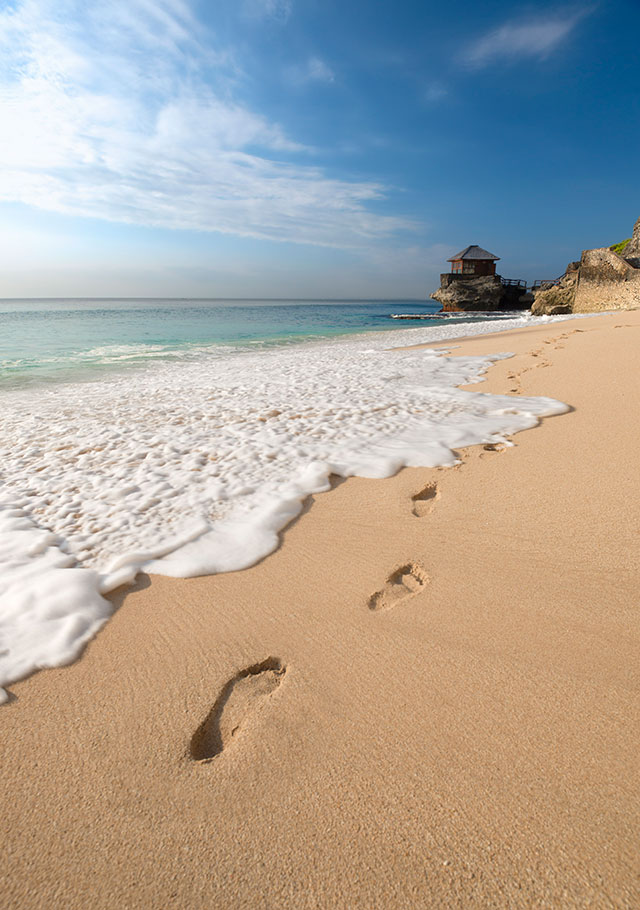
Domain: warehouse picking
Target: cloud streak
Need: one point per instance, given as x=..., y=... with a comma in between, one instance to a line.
x=532, y=38
x=106, y=112
x=319, y=71
x=278, y=10
x=313, y=70
x=435, y=92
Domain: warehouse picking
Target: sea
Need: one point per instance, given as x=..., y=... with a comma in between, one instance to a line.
x=66, y=340
x=181, y=437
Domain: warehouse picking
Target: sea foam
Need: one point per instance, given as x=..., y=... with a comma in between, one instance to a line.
x=194, y=468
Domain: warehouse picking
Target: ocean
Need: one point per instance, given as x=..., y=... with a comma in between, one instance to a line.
x=181, y=437
x=45, y=341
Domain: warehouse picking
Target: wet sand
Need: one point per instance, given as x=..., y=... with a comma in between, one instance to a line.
x=427, y=697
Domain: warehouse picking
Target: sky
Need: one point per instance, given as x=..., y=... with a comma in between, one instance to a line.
x=309, y=148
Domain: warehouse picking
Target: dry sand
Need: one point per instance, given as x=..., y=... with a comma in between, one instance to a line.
x=473, y=741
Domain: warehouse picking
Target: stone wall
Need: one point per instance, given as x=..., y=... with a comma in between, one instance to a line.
x=606, y=282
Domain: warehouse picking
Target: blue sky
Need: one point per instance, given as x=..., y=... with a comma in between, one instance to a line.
x=309, y=147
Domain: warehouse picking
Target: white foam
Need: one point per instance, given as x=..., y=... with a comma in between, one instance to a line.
x=194, y=468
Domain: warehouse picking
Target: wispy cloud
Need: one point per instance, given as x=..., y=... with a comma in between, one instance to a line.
x=105, y=112
x=279, y=10
x=533, y=37
x=314, y=70
x=319, y=71
x=435, y=92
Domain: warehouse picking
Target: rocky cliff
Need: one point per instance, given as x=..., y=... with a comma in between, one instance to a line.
x=560, y=297
x=631, y=252
x=602, y=280
x=607, y=282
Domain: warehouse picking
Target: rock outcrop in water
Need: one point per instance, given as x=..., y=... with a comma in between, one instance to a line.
x=478, y=293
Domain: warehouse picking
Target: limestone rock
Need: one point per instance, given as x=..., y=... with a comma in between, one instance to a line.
x=607, y=282
x=560, y=297
x=632, y=250
x=602, y=280
x=469, y=294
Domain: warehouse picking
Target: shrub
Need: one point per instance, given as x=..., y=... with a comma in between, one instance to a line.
x=619, y=248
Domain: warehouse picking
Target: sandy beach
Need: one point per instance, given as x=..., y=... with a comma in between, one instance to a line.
x=427, y=697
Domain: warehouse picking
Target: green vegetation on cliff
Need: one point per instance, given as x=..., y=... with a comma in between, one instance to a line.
x=619, y=248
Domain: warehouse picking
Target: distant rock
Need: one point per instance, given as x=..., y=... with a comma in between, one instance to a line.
x=477, y=293
x=473, y=293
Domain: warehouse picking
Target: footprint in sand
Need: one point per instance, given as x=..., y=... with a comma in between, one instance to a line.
x=242, y=696
x=494, y=447
x=407, y=581
x=424, y=501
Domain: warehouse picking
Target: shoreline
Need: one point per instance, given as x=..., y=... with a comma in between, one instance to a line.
x=189, y=469
x=119, y=360
x=467, y=741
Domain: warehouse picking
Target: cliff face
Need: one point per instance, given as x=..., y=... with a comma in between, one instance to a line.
x=607, y=282
x=602, y=280
x=632, y=250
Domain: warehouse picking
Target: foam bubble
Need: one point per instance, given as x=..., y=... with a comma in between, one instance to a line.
x=195, y=467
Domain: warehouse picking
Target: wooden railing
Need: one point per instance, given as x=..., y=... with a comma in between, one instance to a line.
x=514, y=282
x=543, y=283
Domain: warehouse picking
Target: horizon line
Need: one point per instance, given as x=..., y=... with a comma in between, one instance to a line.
x=283, y=299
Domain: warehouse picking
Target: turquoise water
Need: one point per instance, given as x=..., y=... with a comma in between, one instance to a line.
x=62, y=340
